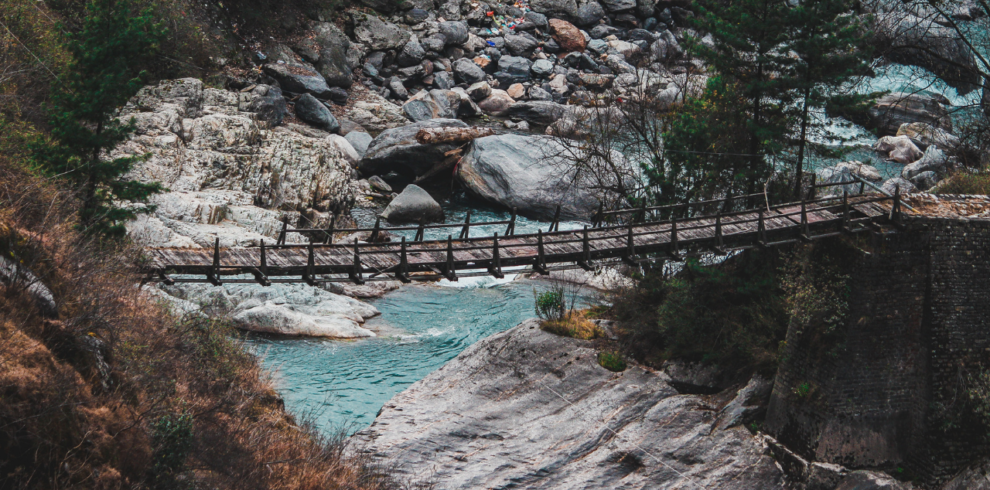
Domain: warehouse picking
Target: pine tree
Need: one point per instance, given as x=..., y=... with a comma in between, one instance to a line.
x=833, y=48
x=115, y=40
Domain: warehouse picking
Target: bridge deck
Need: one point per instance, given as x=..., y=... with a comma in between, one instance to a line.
x=314, y=262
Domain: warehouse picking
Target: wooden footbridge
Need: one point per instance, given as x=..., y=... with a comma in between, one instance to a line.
x=639, y=238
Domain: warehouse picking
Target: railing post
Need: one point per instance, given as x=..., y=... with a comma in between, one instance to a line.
x=541, y=262
x=214, y=275
x=419, y=233
x=862, y=186
x=466, y=231
x=511, y=229
x=761, y=232
x=585, y=261
x=262, y=276
x=895, y=208
x=673, y=252
x=449, y=271
x=308, y=276
x=374, y=231
x=845, y=211
x=495, y=268
x=719, y=244
x=630, y=247
x=281, y=234
x=333, y=222
x=403, y=274
x=805, y=232
x=356, y=274
x=811, y=190
x=555, y=225
x=597, y=219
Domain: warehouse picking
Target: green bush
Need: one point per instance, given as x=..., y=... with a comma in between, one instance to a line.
x=172, y=435
x=613, y=361
x=550, y=304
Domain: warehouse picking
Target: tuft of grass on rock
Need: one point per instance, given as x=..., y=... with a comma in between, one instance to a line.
x=574, y=324
x=613, y=361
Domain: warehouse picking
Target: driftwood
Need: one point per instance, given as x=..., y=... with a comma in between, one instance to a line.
x=433, y=136
x=452, y=157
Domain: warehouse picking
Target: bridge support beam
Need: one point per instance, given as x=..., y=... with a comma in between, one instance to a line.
x=495, y=268
x=585, y=261
x=541, y=260
x=403, y=273
x=356, y=274
x=449, y=271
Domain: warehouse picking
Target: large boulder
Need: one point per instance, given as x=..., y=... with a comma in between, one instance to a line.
x=298, y=78
x=377, y=34
x=568, y=37
x=897, y=108
x=924, y=135
x=284, y=309
x=530, y=173
x=543, y=113
x=333, y=46
x=413, y=205
x=540, y=409
x=903, y=37
x=312, y=111
x=397, y=150
x=844, y=172
x=934, y=160
x=898, y=149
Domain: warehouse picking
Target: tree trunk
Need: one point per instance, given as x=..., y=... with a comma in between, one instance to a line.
x=434, y=136
x=801, y=145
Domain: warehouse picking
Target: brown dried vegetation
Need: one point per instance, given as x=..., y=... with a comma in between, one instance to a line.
x=89, y=372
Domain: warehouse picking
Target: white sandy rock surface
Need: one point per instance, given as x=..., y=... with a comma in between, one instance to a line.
x=229, y=174
x=527, y=409
x=285, y=309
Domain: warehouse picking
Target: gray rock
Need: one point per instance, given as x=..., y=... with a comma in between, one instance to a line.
x=871, y=480
x=532, y=20
x=377, y=34
x=749, y=402
x=619, y=5
x=601, y=31
x=925, y=180
x=905, y=186
x=898, y=149
x=422, y=107
x=540, y=409
x=415, y=16
x=338, y=96
x=555, y=8
x=266, y=102
x=397, y=150
x=455, y=33
x=934, y=160
x=521, y=44
x=924, y=135
x=468, y=71
x=842, y=173
x=589, y=13
x=434, y=43
x=529, y=173
x=597, y=46
x=378, y=184
x=497, y=102
x=312, y=111
x=333, y=64
x=897, y=108
x=443, y=80
x=538, y=94
x=537, y=112
x=413, y=205
x=298, y=78
x=479, y=91
x=412, y=54
x=542, y=68
x=14, y=275
x=512, y=69
x=360, y=141
x=398, y=88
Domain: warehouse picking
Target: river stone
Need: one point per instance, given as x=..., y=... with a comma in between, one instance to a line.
x=521, y=44
x=512, y=69
x=312, y=111
x=529, y=173
x=542, y=68
x=912, y=40
x=497, y=102
x=377, y=34
x=413, y=205
x=589, y=13
x=334, y=46
x=568, y=37
x=925, y=180
x=619, y=5
x=555, y=8
x=421, y=107
x=479, y=91
x=924, y=135
x=532, y=20
x=899, y=149
x=897, y=108
x=285, y=309
x=842, y=173
x=537, y=112
x=467, y=71
x=540, y=409
x=360, y=141
x=443, y=80
x=934, y=160
x=905, y=186
x=455, y=33
x=298, y=78
x=266, y=102
x=376, y=113
x=412, y=54
x=397, y=150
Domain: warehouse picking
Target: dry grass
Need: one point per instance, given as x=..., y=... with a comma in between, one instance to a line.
x=575, y=324
x=965, y=183
x=82, y=388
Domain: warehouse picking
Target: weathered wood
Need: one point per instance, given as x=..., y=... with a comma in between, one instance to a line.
x=495, y=268
x=436, y=136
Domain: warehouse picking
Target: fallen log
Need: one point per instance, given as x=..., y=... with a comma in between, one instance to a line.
x=433, y=136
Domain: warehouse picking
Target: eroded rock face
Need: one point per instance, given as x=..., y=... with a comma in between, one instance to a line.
x=529, y=173
x=528, y=409
x=285, y=309
x=229, y=174
x=397, y=150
